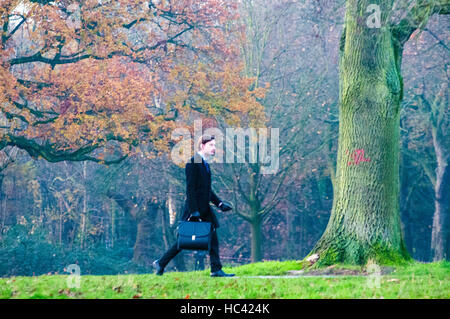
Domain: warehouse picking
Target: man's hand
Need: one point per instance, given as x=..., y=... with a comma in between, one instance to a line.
x=224, y=207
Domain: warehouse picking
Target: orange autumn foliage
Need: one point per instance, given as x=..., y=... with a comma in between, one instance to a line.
x=89, y=80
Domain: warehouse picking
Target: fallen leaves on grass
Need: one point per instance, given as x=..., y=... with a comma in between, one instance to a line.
x=393, y=280
x=313, y=259
x=118, y=289
x=69, y=293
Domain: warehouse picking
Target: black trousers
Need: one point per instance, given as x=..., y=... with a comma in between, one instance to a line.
x=213, y=254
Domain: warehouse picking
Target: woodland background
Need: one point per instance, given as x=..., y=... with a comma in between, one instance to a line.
x=118, y=218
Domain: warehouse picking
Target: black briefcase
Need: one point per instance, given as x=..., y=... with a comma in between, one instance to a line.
x=194, y=235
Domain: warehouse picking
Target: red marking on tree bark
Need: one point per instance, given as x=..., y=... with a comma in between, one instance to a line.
x=357, y=157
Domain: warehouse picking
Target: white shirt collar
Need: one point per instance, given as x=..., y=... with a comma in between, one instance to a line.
x=202, y=156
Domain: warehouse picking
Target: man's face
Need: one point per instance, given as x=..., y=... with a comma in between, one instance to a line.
x=209, y=148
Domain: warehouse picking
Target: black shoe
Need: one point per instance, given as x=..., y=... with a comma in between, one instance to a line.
x=221, y=273
x=158, y=268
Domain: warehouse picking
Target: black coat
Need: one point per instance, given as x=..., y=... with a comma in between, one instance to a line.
x=199, y=192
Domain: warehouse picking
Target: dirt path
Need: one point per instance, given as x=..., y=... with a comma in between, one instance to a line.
x=300, y=276
x=331, y=272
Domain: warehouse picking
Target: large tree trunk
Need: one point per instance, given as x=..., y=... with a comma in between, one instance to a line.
x=144, y=217
x=440, y=231
x=256, y=234
x=256, y=220
x=365, y=218
x=406, y=188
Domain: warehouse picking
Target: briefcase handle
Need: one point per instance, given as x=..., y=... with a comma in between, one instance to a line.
x=195, y=215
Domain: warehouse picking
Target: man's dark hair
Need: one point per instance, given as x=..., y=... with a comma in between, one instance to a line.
x=205, y=138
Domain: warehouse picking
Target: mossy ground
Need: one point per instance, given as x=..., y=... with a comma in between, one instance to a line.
x=413, y=280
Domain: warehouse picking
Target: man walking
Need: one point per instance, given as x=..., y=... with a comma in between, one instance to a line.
x=198, y=196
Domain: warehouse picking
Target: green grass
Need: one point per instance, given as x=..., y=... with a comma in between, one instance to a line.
x=414, y=280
